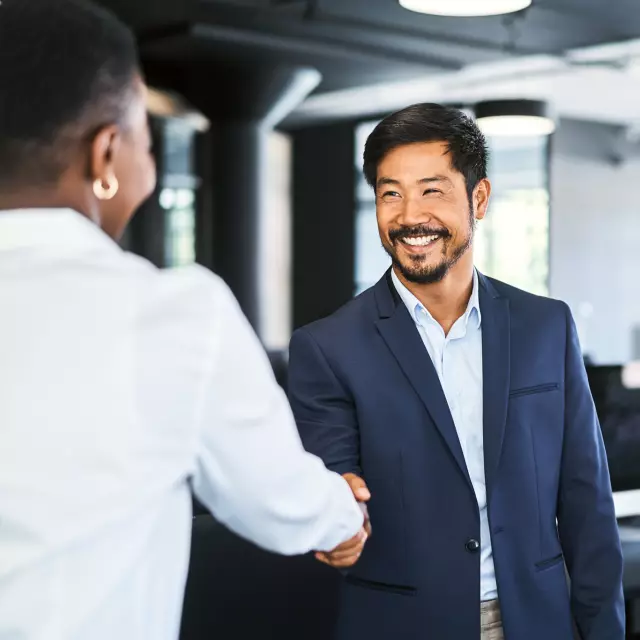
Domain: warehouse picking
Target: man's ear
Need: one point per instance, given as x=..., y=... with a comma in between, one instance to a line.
x=481, y=196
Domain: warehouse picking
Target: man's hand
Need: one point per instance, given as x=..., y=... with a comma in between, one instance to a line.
x=348, y=553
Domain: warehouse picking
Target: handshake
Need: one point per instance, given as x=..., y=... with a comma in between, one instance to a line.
x=348, y=553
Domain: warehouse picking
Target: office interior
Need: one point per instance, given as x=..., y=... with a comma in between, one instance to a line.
x=260, y=110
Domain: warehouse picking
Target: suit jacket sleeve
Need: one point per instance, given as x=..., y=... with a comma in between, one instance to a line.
x=586, y=516
x=323, y=408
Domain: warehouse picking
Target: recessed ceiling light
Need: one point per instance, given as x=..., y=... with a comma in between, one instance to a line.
x=515, y=118
x=465, y=8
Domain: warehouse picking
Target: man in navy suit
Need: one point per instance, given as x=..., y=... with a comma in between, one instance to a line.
x=463, y=405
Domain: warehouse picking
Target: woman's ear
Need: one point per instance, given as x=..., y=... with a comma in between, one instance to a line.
x=104, y=148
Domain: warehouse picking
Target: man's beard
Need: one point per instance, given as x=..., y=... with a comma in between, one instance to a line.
x=418, y=273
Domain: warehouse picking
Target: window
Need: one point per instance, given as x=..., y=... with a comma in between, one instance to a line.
x=371, y=260
x=178, y=194
x=511, y=244
x=163, y=230
x=180, y=237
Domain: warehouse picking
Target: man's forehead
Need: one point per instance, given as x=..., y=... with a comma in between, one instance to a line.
x=434, y=153
x=422, y=161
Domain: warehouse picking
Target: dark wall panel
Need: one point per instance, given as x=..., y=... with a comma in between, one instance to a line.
x=323, y=220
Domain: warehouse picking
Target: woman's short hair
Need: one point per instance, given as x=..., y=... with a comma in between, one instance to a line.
x=67, y=68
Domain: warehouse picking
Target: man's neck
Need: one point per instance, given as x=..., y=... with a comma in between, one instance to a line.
x=448, y=299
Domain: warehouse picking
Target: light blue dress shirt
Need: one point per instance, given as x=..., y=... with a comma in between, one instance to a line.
x=457, y=359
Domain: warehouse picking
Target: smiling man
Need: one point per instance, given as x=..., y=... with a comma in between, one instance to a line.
x=463, y=405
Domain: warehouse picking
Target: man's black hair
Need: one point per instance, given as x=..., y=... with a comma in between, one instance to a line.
x=67, y=68
x=430, y=122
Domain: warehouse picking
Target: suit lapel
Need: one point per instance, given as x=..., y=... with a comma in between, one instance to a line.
x=495, y=374
x=399, y=331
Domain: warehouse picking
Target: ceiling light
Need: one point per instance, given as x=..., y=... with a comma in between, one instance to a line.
x=515, y=118
x=466, y=8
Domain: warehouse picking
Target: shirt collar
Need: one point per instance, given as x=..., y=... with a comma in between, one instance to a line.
x=416, y=308
x=64, y=228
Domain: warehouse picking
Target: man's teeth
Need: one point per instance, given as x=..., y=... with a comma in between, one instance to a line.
x=419, y=241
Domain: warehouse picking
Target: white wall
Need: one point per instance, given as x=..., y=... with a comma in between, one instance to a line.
x=595, y=239
x=275, y=244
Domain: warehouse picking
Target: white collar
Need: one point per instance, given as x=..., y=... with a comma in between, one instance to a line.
x=21, y=228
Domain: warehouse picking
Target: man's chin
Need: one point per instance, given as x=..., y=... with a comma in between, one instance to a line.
x=424, y=274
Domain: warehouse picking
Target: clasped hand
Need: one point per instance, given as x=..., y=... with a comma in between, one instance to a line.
x=348, y=553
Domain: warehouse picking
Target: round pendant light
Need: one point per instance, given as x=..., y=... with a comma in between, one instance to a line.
x=465, y=8
x=515, y=118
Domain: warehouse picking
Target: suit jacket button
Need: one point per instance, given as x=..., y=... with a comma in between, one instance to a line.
x=472, y=546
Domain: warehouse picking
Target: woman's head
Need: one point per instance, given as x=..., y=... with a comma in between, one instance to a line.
x=73, y=121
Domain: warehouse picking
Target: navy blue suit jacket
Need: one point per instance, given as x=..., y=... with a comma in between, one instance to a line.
x=367, y=400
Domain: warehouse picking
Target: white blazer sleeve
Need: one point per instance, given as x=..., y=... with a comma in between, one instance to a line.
x=252, y=471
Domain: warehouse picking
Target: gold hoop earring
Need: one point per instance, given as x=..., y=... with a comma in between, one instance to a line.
x=106, y=193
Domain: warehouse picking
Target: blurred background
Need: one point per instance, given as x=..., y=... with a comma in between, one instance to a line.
x=260, y=110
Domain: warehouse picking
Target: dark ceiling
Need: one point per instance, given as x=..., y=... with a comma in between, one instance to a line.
x=362, y=42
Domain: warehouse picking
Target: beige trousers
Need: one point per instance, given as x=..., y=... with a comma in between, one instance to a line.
x=490, y=621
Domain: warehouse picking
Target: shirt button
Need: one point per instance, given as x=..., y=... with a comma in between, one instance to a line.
x=472, y=546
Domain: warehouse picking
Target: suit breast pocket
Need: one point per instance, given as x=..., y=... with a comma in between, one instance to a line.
x=532, y=390
x=536, y=413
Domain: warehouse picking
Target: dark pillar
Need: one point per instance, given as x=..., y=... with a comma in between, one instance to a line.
x=324, y=207
x=235, y=170
x=243, y=104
